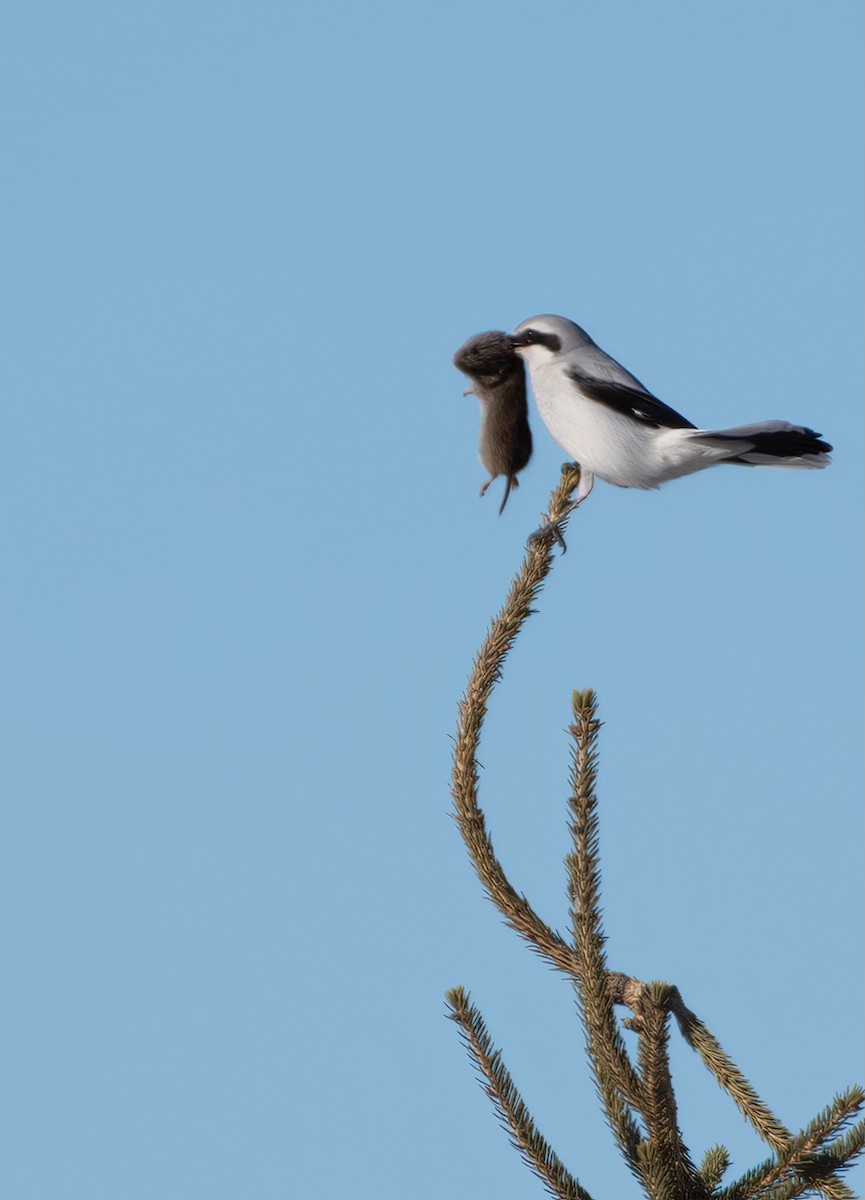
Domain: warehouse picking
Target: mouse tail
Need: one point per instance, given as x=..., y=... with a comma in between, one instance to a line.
x=511, y=480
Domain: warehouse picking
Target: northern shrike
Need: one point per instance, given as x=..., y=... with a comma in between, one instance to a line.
x=619, y=431
x=499, y=380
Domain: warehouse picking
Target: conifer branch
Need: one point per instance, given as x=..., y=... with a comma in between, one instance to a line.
x=486, y=672
x=615, y=1077
x=515, y=1117
x=734, y=1083
x=715, y=1162
x=729, y=1076
x=834, y=1188
x=673, y=1175
x=803, y=1187
x=836, y=1157
x=658, y=1157
x=809, y=1156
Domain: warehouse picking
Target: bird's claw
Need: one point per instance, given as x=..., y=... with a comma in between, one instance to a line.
x=553, y=529
x=549, y=529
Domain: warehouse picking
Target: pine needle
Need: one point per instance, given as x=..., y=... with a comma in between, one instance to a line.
x=513, y=1113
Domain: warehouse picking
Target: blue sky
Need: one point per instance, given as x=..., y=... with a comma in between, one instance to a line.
x=247, y=569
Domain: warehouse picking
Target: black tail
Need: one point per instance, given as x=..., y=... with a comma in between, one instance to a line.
x=770, y=444
x=788, y=443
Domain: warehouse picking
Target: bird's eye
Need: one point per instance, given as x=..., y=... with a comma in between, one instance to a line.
x=529, y=337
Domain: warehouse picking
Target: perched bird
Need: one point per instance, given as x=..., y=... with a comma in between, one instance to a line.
x=499, y=380
x=619, y=431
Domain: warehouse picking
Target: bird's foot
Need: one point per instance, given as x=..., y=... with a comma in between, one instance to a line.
x=552, y=529
x=484, y=486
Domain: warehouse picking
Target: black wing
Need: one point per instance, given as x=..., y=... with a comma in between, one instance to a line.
x=630, y=402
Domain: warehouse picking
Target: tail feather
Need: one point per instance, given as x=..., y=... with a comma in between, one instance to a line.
x=770, y=444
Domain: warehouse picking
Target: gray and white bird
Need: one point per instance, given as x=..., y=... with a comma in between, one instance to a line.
x=616, y=429
x=499, y=381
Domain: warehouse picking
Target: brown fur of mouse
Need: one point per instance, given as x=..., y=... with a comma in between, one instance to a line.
x=499, y=382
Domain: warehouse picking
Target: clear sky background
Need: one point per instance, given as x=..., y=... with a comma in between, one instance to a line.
x=246, y=569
